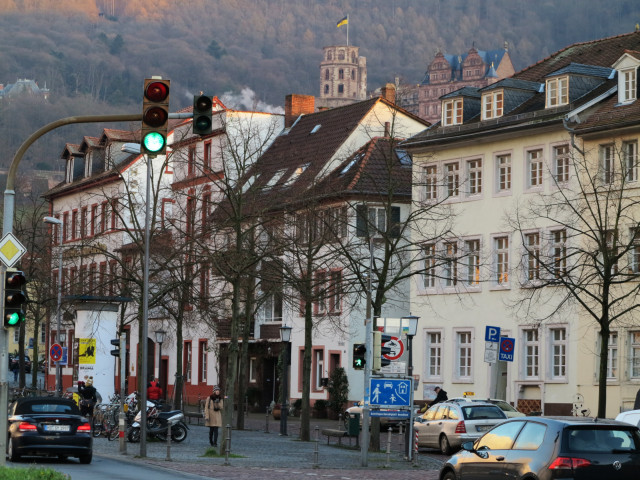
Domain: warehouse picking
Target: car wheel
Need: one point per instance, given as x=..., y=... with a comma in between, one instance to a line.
x=445, y=448
x=85, y=458
x=449, y=476
x=11, y=451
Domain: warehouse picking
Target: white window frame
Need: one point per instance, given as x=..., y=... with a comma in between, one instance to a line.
x=450, y=264
x=559, y=251
x=253, y=370
x=429, y=275
x=452, y=179
x=434, y=348
x=531, y=353
x=430, y=183
x=503, y=173
x=634, y=261
x=318, y=364
x=463, y=355
x=557, y=91
x=452, y=112
x=630, y=156
x=474, y=176
x=561, y=163
x=535, y=168
x=608, y=162
x=558, y=353
x=492, y=104
x=531, y=260
x=628, y=85
x=613, y=364
x=501, y=262
x=472, y=262
x=634, y=354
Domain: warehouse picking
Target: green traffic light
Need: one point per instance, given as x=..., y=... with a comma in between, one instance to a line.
x=154, y=142
x=14, y=318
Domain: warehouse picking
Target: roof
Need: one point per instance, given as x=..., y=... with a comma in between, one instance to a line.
x=491, y=59
x=589, y=59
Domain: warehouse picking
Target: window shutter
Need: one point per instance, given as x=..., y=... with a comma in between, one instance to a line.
x=395, y=222
x=361, y=220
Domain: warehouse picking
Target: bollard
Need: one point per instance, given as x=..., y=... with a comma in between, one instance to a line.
x=415, y=451
x=122, y=428
x=388, y=464
x=168, y=459
x=266, y=422
x=227, y=449
x=340, y=424
x=316, y=463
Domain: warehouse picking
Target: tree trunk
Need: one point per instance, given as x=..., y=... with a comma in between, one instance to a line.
x=602, y=372
x=305, y=417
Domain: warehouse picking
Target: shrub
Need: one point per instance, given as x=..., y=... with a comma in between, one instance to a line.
x=7, y=473
x=338, y=390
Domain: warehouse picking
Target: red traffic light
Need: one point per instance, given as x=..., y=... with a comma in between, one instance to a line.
x=157, y=91
x=155, y=117
x=15, y=280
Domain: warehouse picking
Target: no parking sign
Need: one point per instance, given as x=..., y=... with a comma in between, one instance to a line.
x=507, y=347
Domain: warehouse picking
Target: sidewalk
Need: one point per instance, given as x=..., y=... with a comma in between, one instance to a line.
x=270, y=455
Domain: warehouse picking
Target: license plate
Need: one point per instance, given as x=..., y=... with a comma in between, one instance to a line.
x=483, y=428
x=57, y=428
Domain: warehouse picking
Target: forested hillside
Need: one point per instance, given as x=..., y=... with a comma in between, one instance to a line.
x=93, y=55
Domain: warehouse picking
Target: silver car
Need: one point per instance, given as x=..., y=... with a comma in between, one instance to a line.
x=448, y=425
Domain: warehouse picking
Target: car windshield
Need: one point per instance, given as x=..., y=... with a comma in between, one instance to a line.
x=598, y=439
x=504, y=406
x=482, y=412
x=27, y=408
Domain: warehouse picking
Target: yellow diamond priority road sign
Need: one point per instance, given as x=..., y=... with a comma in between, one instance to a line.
x=11, y=250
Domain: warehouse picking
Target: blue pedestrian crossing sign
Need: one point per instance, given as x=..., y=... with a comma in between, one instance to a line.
x=390, y=392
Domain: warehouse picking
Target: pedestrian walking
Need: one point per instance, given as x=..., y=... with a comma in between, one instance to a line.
x=15, y=368
x=88, y=398
x=154, y=391
x=213, y=415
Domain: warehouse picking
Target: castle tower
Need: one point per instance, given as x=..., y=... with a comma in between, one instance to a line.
x=343, y=76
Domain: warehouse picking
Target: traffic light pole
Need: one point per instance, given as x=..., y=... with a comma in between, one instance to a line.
x=368, y=341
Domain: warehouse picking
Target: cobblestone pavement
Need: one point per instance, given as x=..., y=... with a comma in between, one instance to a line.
x=256, y=454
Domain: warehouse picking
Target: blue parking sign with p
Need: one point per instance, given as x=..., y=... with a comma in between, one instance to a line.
x=492, y=334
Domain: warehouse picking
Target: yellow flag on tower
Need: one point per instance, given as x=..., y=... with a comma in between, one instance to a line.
x=344, y=21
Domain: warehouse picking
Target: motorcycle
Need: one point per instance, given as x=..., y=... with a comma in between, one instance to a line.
x=158, y=423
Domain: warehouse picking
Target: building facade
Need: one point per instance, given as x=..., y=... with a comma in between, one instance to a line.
x=343, y=76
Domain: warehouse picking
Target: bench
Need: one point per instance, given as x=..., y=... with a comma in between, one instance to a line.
x=339, y=434
x=190, y=415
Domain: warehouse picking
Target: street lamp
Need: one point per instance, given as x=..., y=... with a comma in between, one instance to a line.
x=58, y=222
x=409, y=325
x=160, y=340
x=285, y=337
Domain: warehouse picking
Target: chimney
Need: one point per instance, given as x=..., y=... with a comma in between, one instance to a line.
x=389, y=92
x=296, y=105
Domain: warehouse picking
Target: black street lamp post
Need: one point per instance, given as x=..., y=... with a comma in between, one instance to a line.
x=160, y=340
x=285, y=336
x=410, y=325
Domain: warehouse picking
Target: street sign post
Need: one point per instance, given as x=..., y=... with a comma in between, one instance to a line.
x=507, y=348
x=55, y=352
x=492, y=334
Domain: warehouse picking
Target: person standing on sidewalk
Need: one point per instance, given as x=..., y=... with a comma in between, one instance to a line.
x=213, y=415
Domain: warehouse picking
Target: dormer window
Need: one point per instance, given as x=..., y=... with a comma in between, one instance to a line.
x=492, y=104
x=452, y=112
x=557, y=92
x=628, y=85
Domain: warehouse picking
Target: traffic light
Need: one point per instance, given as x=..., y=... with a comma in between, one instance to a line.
x=155, y=116
x=116, y=351
x=202, y=113
x=359, y=359
x=379, y=350
x=14, y=298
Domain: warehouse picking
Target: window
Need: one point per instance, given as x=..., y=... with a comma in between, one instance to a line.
x=103, y=217
x=607, y=154
x=558, y=352
x=463, y=355
x=450, y=264
x=557, y=91
x=532, y=265
x=474, y=172
x=634, y=354
x=202, y=367
x=503, y=163
x=534, y=170
x=186, y=362
x=531, y=437
x=74, y=224
x=559, y=248
x=373, y=221
x=207, y=156
x=629, y=81
x=635, y=251
x=472, y=250
x=452, y=112
x=630, y=158
x=501, y=437
x=253, y=370
x=561, y=163
x=83, y=222
x=434, y=354
x=335, y=291
x=318, y=370
x=191, y=160
x=190, y=217
x=492, y=104
x=431, y=183
x=502, y=260
x=321, y=292
x=612, y=360
x=531, y=353
x=611, y=242
x=429, y=275
x=340, y=89
x=453, y=179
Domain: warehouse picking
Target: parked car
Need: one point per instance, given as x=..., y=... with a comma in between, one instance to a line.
x=14, y=359
x=632, y=417
x=546, y=448
x=448, y=425
x=509, y=410
x=48, y=426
